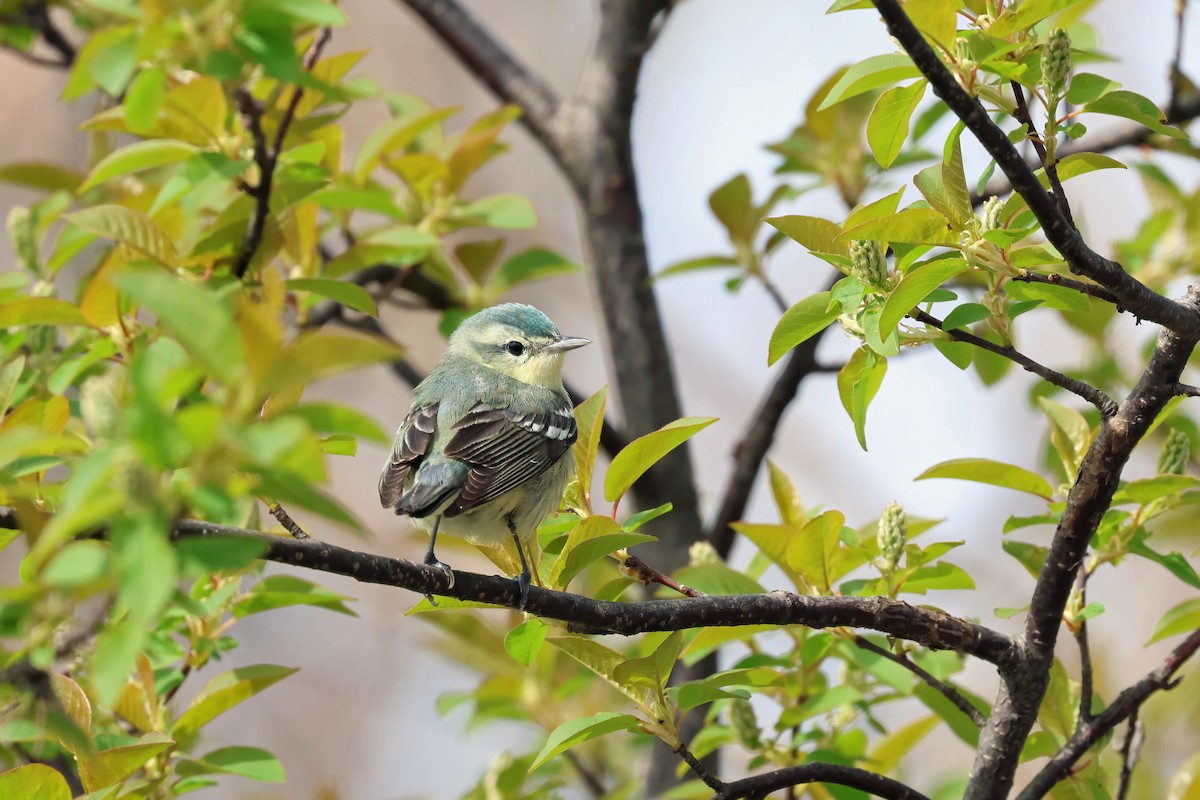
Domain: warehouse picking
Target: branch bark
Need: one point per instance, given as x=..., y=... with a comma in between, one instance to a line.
x=762, y=785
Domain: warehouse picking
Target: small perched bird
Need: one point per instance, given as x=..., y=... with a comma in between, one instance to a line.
x=482, y=452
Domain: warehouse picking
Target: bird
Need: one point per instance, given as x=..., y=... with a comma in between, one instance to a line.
x=483, y=452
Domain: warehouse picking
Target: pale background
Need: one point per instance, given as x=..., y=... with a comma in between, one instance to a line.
x=723, y=79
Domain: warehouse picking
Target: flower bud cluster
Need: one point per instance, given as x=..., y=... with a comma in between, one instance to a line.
x=893, y=532
x=1175, y=454
x=869, y=264
x=1056, y=63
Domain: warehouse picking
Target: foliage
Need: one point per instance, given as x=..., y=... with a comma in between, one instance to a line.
x=168, y=309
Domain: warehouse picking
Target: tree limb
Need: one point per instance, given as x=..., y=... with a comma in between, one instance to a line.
x=1124, y=707
x=1095, y=396
x=1022, y=115
x=1135, y=296
x=761, y=785
x=1091, y=289
x=36, y=14
x=945, y=689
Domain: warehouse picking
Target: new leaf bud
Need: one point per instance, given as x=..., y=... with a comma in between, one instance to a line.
x=989, y=216
x=869, y=263
x=893, y=532
x=1056, y=62
x=702, y=553
x=1175, y=454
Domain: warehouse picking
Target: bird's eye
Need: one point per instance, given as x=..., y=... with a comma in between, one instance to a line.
x=515, y=348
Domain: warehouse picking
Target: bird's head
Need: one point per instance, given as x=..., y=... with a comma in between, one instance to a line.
x=516, y=340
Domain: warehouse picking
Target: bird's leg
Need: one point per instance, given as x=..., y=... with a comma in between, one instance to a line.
x=432, y=560
x=524, y=577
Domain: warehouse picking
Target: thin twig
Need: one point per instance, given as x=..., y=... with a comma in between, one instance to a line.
x=1131, y=751
x=1177, y=78
x=645, y=574
x=36, y=15
x=1187, y=390
x=1095, y=396
x=945, y=689
x=710, y=780
x=1086, y=680
x=266, y=158
x=1124, y=707
x=285, y=519
x=1022, y=115
x=760, y=786
x=1055, y=279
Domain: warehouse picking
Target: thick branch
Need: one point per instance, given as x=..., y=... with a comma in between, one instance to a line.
x=495, y=67
x=1135, y=296
x=922, y=625
x=1096, y=397
x=762, y=785
x=1124, y=707
x=760, y=435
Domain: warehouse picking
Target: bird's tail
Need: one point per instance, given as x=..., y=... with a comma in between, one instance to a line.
x=436, y=481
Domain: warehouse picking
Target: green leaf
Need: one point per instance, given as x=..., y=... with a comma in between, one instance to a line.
x=135, y=158
x=291, y=489
x=887, y=127
x=503, y=211
x=959, y=723
x=578, y=731
x=1025, y=15
x=966, y=314
x=943, y=576
x=45, y=175
x=870, y=73
x=1183, y=618
x=650, y=672
x=198, y=556
x=524, y=641
x=801, y=322
x=128, y=227
x=815, y=553
x=817, y=234
x=589, y=418
x=915, y=287
x=1133, y=106
x=1174, y=562
x=143, y=99
x=107, y=767
x=1070, y=434
x=858, y=382
x=532, y=265
x=717, y=579
x=596, y=657
x=635, y=521
x=249, y=762
x=335, y=418
x=645, y=451
x=226, y=691
x=313, y=12
x=323, y=353
x=348, y=294
x=910, y=226
x=39, y=311
x=1147, y=490
x=696, y=264
x=892, y=748
x=194, y=315
x=1030, y=556
x=1087, y=87
x=996, y=473
x=282, y=591
x=76, y=564
x=34, y=781
x=733, y=205
x=592, y=539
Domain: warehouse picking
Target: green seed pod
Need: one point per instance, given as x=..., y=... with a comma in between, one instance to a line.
x=745, y=724
x=1175, y=454
x=702, y=553
x=870, y=265
x=1056, y=62
x=893, y=532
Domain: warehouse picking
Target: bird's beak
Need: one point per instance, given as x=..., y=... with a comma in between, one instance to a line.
x=565, y=343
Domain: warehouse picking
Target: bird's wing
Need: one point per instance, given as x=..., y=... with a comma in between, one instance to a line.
x=507, y=447
x=411, y=444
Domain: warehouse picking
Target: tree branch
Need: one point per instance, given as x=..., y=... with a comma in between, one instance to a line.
x=1106, y=405
x=1135, y=296
x=1086, y=677
x=945, y=689
x=760, y=433
x=925, y=626
x=1131, y=750
x=701, y=771
x=1124, y=707
x=1091, y=289
x=267, y=157
x=1022, y=115
x=36, y=14
x=761, y=785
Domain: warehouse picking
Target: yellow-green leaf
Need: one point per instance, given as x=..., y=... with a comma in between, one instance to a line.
x=107, y=767
x=870, y=73
x=44, y=175
x=40, y=311
x=817, y=234
x=226, y=691
x=320, y=354
x=524, y=641
x=645, y=451
x=887, y=127
x=815, y=552
x=351, y=295
x=858, y=382
x=34, y=781
x=128, y=227
x=801, y=322
x=915, y=287
x=577, y=731
x=589, y=418
x=592, y=539
x=996, y=473
x=137, y=157
x=1183, y=618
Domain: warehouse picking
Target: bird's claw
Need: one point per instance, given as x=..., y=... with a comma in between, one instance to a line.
x=523, y=586
x=430, y=561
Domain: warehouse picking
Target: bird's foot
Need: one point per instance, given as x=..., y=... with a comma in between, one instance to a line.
x=523, y=586
x=431, y=561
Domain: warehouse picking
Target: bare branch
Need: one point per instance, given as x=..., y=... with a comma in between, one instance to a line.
x=1106, y=405
x=1124, y=707
x=945, y=689
x=710, y=780
x=645, y=574
x=1131, y=751
x=1039, y=147
x=1091, y=289
x=285, y=519
x=36, y=14
x=762, y=785
x=1135, y=296
x=1086, y=679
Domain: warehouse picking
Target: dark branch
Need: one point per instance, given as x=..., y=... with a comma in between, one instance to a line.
x=749, y=453
x=1099, y=292
x=36, y=15
x=267, y=157
x=1131, y=750
x=1086, y=678
x=1039, y=147
x=945, y=689
x=1081, y=259
x=1186, y=390
x=507, y=78
x=1176, y=78
x=1124, y=707
x=285, y=519
x=761, y=785
x=1107, y=406
x=710, y=780
x=922, y=625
